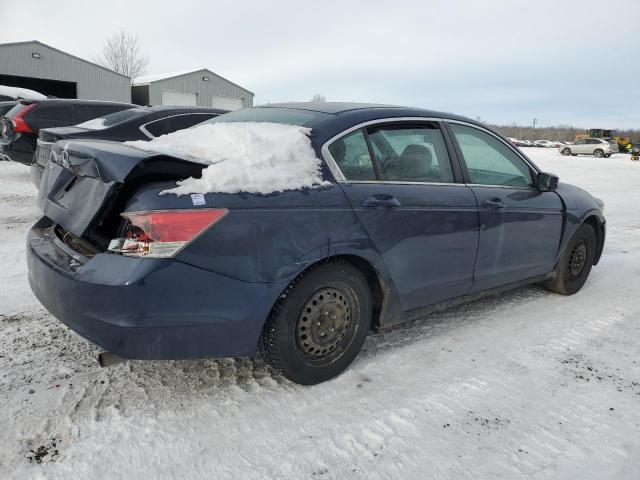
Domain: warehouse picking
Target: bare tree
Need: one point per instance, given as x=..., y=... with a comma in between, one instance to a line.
x=121, y=53
x=319, y=98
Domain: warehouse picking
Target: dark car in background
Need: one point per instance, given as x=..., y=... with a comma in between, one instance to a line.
x=140, y=123
x=19, y=127
x=419, y=210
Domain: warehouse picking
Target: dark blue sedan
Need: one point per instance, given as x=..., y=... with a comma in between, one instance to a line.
x=419, y=210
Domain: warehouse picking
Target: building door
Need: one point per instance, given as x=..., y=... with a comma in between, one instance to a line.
x=227, y=103
x=183, y=99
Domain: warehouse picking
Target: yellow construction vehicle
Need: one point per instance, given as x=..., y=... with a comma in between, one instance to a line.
x=623, y=142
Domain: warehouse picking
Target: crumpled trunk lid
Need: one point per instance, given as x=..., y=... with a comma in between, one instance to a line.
x=84, y=177
x=72, y=191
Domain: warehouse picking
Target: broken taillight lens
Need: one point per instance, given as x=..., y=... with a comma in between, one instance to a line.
x=162, y=233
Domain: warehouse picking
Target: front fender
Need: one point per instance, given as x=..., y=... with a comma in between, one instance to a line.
x=580, y=206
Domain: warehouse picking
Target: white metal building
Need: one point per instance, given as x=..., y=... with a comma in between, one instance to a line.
x=50, y=71
x=199, y=87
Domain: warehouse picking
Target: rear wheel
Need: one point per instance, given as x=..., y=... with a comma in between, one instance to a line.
x=598, y=153
x=576, y=262
x=566, y=152
x=319, y=324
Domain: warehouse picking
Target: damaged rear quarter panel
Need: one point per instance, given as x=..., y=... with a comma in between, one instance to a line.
x=267, y=238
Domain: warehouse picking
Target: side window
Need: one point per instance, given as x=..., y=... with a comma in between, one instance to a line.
x=411, y=153
x=58, y=113
x=352, y=156
x=157, y=127
x=489, y=161
x=580, y=142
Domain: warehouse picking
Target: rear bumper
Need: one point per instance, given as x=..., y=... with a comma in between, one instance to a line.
x=147, y=308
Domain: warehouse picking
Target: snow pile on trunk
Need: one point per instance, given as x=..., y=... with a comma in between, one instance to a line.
x=252, y=157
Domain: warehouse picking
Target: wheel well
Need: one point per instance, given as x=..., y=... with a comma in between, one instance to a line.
x=373, y=280
x=599, y=230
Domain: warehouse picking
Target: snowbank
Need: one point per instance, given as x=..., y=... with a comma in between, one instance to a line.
x=252, y=157
x=17, y=93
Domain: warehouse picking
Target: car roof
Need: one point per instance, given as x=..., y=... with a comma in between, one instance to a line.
x=328, y=107
x=173, y=108
x=336, y=117
x=73, y=101
x=374, y=110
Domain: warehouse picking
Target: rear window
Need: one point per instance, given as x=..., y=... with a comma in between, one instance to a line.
x=112, y=119
x=289, y=116
x=176, y=122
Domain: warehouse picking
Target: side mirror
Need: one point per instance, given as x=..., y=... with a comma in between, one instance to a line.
x=547, y=182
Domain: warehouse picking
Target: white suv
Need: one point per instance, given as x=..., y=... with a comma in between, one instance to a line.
x=598, y=147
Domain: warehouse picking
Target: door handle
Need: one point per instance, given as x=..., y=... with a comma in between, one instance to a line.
x=381, y=201
x=494, y=202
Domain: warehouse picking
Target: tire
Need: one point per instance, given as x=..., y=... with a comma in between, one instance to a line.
x=566, y=152
x=319, y=324
x=598, y=153
x=576, y=262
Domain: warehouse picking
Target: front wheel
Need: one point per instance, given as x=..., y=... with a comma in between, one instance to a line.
x=576, y=262
x=566, y=152
x=319, y=324
x=598, y=153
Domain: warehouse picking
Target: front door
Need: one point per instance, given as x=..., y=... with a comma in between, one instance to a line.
x=520, y=226
x=580, y=146
x=400, y=183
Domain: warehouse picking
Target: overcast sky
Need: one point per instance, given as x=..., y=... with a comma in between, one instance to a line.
x=562, y=61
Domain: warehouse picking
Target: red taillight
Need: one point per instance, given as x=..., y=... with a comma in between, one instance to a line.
x=162, y=233
x=18, y=122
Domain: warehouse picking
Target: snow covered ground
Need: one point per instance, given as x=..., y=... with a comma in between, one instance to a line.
x=528, y=384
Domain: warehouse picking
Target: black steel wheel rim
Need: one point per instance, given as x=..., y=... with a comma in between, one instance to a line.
x=324, y=323
x=578, y=259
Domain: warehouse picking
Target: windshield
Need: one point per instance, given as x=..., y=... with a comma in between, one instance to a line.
x=289, y=116
x=112, y=119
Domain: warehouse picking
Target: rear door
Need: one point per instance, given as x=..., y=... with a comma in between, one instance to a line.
x=399, y=179
x=520, y=226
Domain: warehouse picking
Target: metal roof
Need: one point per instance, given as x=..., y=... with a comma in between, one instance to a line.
x=147, y=79
x=64, y=53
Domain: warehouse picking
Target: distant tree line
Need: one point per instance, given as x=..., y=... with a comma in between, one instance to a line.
x=559, y=132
